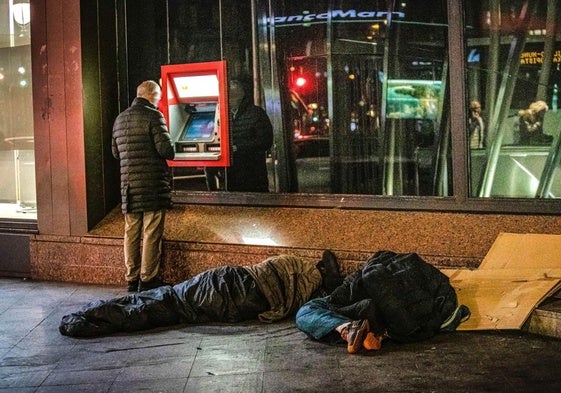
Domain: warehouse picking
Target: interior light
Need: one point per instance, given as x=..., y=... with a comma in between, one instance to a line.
x=21, y=13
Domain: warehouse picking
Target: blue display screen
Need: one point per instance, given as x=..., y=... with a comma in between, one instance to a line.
x=199, y=127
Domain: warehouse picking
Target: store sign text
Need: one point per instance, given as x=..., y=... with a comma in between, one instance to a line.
x=536, y=57
x=337, y=15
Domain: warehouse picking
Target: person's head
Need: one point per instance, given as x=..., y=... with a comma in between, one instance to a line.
x=475, y=108
x=151, y=91
x=238, y=88
x=539, y=108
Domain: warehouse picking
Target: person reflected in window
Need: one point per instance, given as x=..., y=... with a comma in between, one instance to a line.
x=476, y=126
x=252, y=136
x=530, y=125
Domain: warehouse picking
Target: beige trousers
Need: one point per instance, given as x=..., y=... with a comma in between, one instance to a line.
x=148, y=228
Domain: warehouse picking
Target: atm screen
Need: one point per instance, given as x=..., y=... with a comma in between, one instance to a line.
x=199, y=127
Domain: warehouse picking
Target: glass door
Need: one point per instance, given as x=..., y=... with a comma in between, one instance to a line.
x=17, y=158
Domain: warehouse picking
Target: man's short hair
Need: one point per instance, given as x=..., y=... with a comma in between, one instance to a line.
x=147, y=89
x=539, y=106
x=244, y=82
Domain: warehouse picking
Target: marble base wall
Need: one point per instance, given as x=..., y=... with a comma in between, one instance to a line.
x=201, y=237
x=100, y=260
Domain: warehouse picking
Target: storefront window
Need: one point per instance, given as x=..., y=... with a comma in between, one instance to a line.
x=360, y=96
x=363, y=87
x=513, y=63
x=17, y=161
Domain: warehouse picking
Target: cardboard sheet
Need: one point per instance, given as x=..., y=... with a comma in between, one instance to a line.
x=516, y=275
x=523, y=251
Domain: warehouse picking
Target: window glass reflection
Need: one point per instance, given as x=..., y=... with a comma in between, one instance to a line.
x=363, y=86
x=17, y=161
x=305, y=154
x=513, y=62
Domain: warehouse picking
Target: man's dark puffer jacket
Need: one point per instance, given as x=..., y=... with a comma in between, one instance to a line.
x=141, y=142
x=252, y=136
x=411, y=298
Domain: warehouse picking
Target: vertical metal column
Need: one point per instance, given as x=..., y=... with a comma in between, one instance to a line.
x=493, y=62
x=552, y=161
x=548, y=50
x=504, y=98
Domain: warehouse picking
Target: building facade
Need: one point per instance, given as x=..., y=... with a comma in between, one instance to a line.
x=371, y=104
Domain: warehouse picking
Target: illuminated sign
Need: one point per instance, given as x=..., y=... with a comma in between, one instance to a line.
x=196, y=86
x=536, y=57
x=473, y=56
x=335, y=15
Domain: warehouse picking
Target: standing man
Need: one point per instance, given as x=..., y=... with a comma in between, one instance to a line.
x=141, y=142
x=476, y=127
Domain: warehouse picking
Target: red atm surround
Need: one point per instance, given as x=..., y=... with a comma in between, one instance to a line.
x=205, y=96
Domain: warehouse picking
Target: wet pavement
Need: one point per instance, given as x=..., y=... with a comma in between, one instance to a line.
x=248, y=357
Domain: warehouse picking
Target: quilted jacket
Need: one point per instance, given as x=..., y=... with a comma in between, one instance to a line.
x=141, y=142
x=252, y=136
x=287, y=283
x=412, y=298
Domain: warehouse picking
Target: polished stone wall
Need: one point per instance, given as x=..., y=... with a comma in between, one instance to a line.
x=199, y=237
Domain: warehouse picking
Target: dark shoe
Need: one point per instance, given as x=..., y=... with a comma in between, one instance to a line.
x=331, y=264
x=356, y=334
x=133, y=285
x=330, y=271
x=153, y=283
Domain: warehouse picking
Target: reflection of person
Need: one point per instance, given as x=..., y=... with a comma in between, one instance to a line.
x=395, y=296
x=530, y=125
x=476, y=127
x=271, y=290
x=252, y=136
x=142, y=144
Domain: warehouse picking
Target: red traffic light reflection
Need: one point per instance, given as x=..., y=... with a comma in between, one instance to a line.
x=300, y=81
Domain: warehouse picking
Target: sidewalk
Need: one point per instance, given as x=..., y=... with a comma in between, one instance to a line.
x=248, y=357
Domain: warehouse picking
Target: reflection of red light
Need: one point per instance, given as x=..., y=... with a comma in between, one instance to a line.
x=300, y=81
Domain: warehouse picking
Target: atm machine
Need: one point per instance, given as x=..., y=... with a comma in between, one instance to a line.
x=195, y=105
